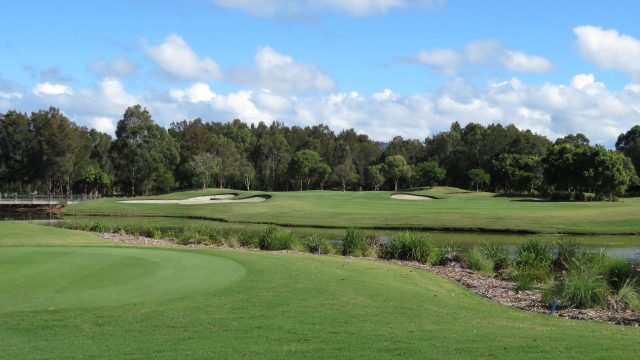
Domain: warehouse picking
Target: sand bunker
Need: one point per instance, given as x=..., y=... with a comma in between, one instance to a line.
x=211, y=199
x=410, y=197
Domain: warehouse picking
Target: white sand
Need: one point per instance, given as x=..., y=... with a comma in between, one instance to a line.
x=211, y=199
x=409, y=197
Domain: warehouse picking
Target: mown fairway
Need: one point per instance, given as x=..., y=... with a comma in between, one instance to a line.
x=77, y=301
x=454, y=209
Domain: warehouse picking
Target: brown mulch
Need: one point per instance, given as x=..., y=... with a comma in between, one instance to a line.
x=504, y=292
x=493, y=288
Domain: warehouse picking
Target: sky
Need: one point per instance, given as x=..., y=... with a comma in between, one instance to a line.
x=382, y=67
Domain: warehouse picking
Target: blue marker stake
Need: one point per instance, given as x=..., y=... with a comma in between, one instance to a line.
x=554, y=305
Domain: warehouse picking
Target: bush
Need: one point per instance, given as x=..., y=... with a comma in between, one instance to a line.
x=313, y=243
x=187, y=237
x=523, y=279
x=582, y=289
x=618, y=272
x=99, y=227
x=438, y=254
x=408, y=245
x=567, y=251
x=273, y=239
x=207, y=234
x=628, y=296
x=150, y=232
x=249, y=238
x=354, y=243
x=499, y=254
x=533, y=262
x=478, y=261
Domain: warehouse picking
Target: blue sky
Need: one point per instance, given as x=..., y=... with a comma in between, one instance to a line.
x=384, y=67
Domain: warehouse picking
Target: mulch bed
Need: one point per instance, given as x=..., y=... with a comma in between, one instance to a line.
x=493, y=288
x=504, y=292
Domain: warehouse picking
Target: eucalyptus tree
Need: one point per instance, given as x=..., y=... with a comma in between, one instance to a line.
x=396, y=169
x=144, y=155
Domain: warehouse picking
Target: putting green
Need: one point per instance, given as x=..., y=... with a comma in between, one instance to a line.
x=36, y=278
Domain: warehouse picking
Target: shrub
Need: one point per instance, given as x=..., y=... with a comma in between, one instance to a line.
x=582, y=289
x=248, y=238
x=273, y=239
x=567, y=252
x=499, y=254
x=207, y=234
x=314, y=242
x=479, y=261
x=98, y=227
x=628, y=296
x=618, y=272
x=438, y=254
x=408, y=245
x=150, y=232
x=354, y=243
x=523, y=280
x=533, y=262
x=187, y=237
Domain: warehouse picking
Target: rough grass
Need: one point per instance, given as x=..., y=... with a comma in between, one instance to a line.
x=286, y=306
x=455, y=209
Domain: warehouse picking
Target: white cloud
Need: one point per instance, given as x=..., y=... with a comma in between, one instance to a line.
x=484, y=53
x=103, y=124
x=10, y=95
x=117, y=67
x=290, y=9
x=609, y=49
x=48, y=88
x=198, y=92
x=175, y=59
x=281, y=73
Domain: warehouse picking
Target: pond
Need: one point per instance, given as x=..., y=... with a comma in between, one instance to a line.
x=22, y=214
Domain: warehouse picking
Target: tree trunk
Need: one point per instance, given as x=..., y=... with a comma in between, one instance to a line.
x=344, y=186
x=396, y=183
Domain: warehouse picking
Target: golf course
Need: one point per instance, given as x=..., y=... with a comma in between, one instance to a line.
x=443, y=208
x=71, y=295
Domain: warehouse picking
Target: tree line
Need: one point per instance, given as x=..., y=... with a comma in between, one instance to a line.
x=45, y=152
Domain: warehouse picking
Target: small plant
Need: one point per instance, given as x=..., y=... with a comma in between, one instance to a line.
x=499, y=254
x=150, y=232
x=523, y=280
x=533, y=262
x=582, y=289
x=248, y=238
x=567, y=252
x=272, y=239
x=438, y=254
x=98, y=227
x=479, y=261
x=354, y=243
x=186, y=238
x=628, y=296
x=408, y=245
x=618, y=272
x=314, y=243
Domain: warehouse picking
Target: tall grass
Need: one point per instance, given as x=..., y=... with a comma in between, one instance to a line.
x=567, y=252
x=355, y=242
x=582, y=289
x=408, y=245
x=315, y=244
x=499, y=254
x=533, y=263
x=479, y=261
x=274, y=239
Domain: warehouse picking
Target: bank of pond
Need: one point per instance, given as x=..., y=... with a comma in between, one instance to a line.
x=560, y=267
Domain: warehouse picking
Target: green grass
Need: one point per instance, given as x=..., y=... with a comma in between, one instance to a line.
x=455, y=209
x=25, y=234
x=228, y=304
